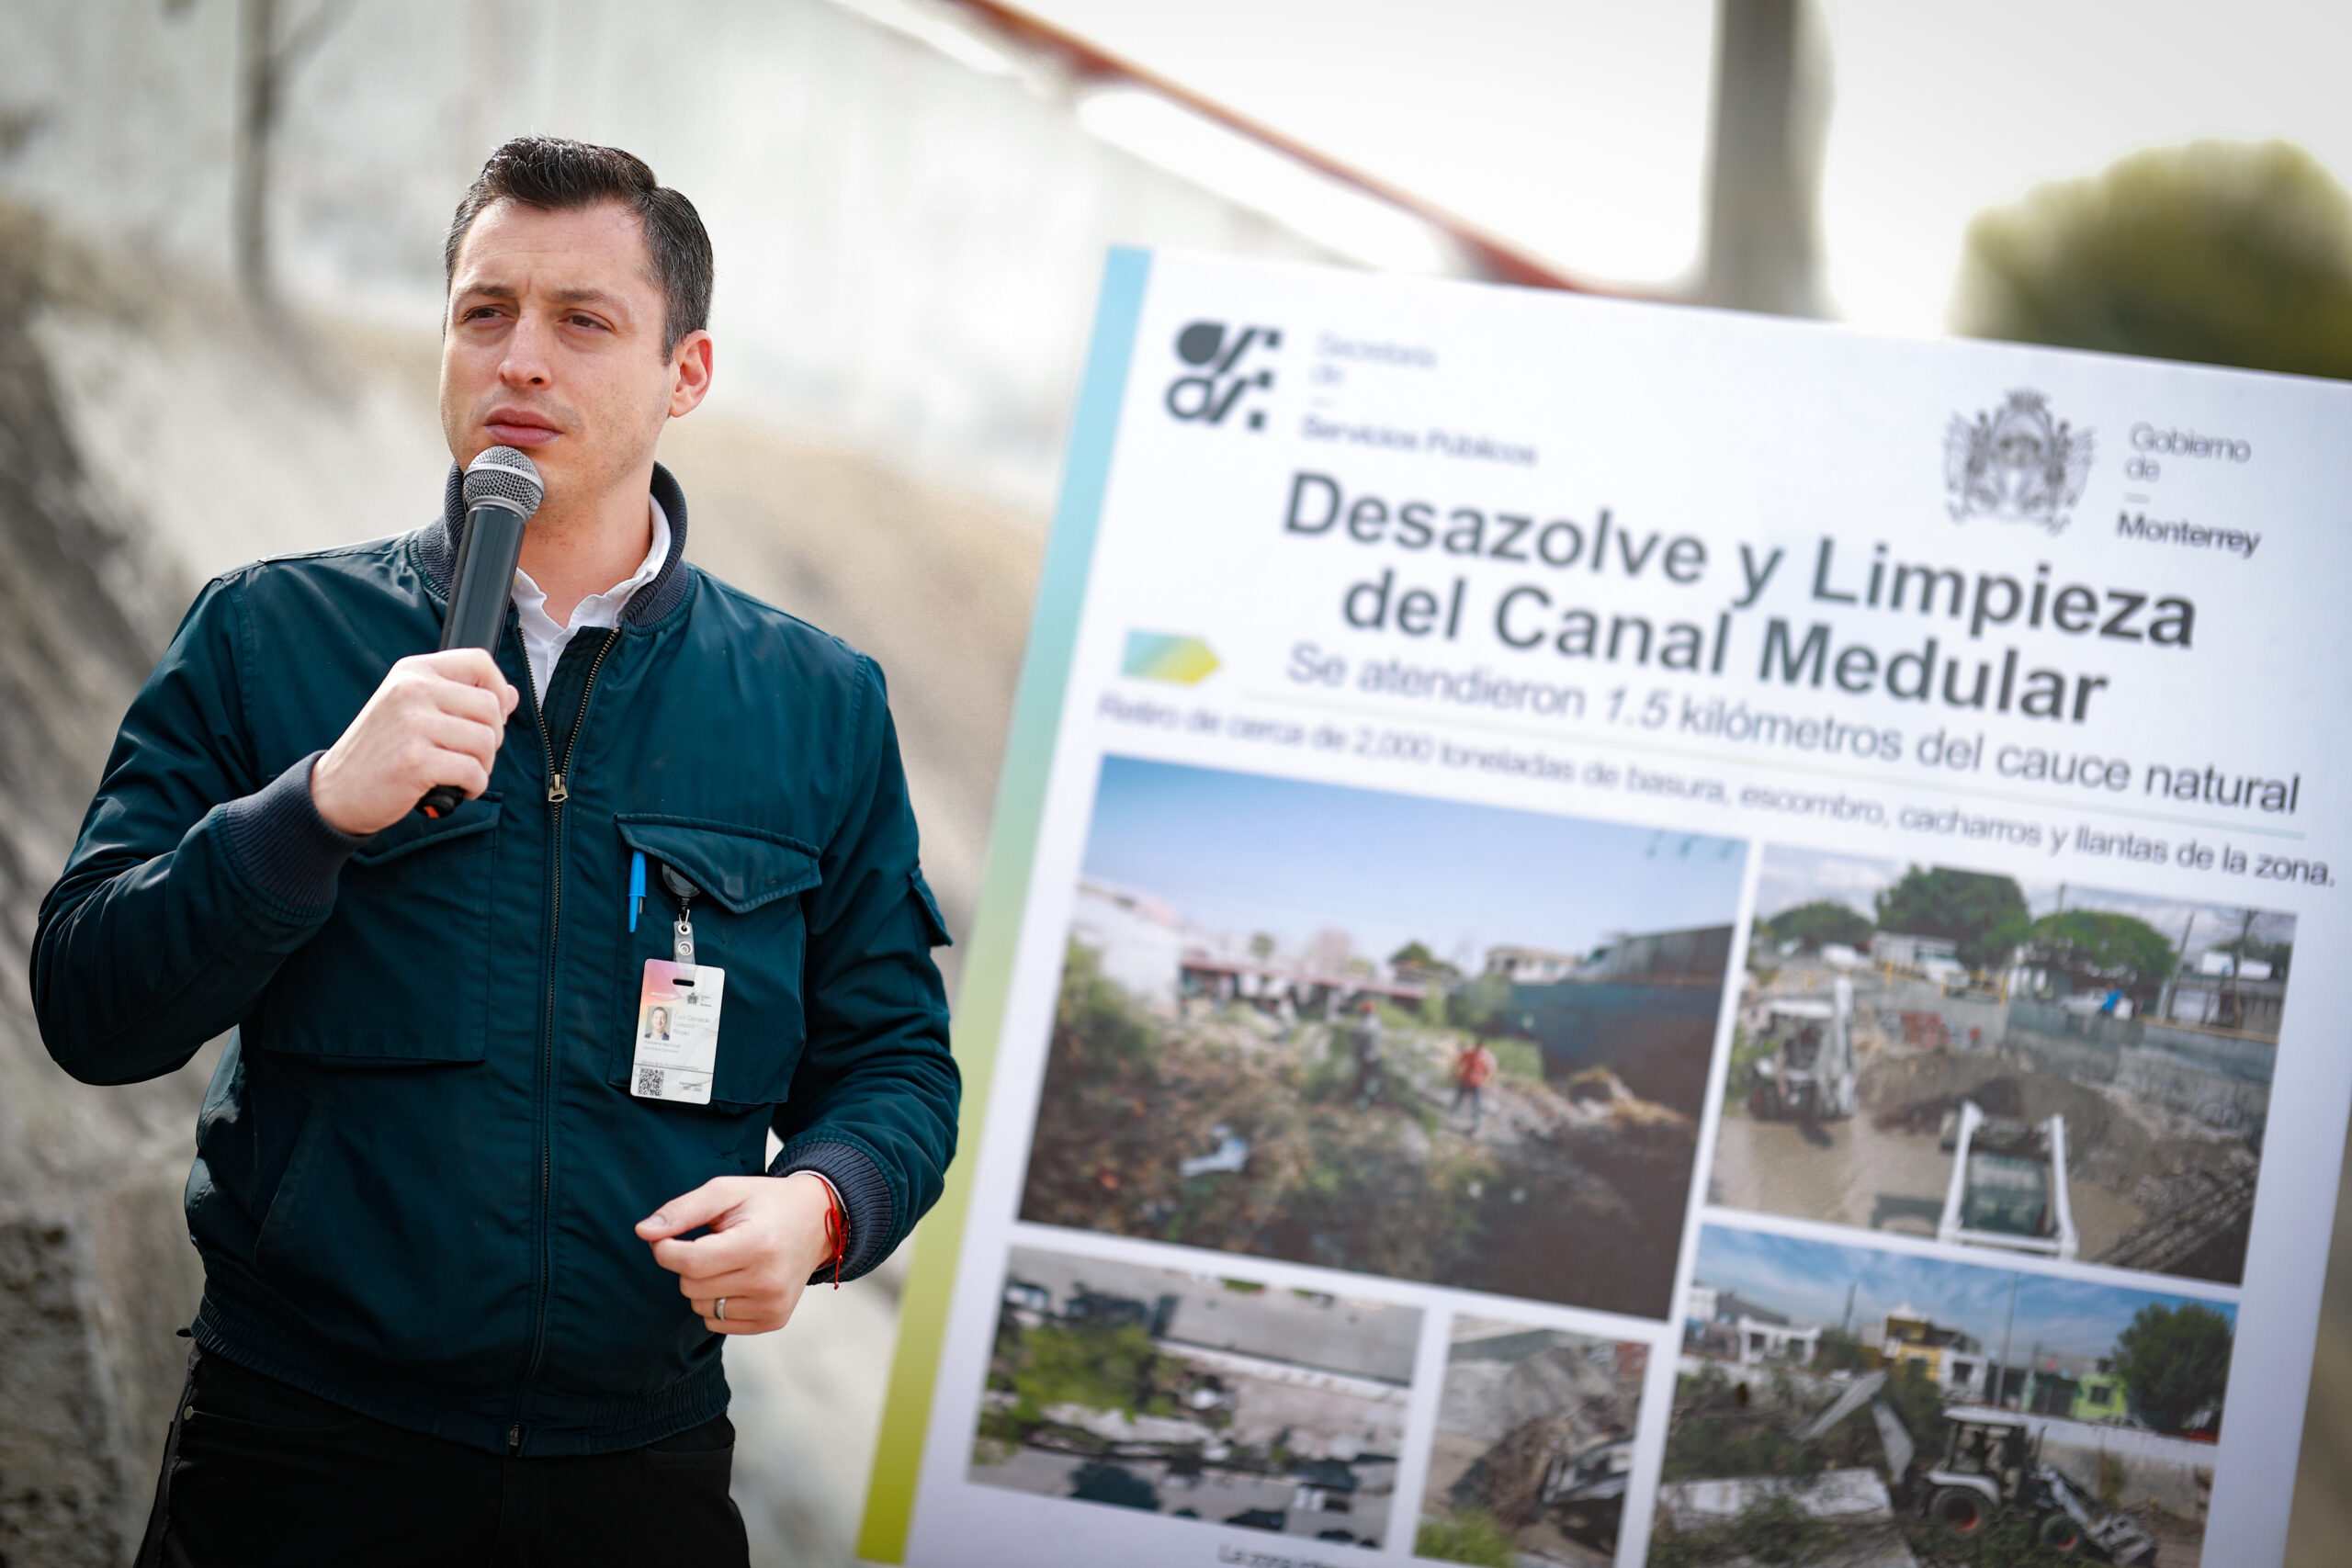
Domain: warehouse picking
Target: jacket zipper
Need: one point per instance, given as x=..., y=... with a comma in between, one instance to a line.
x=558, y=791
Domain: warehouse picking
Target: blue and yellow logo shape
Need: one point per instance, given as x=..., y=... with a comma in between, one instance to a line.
x=1161, y=655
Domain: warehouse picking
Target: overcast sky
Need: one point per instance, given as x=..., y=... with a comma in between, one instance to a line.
x=1239, y=852
x=1808, y=1281
x=1578, y=128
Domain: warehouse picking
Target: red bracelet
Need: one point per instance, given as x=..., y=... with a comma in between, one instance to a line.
x=836, y=1232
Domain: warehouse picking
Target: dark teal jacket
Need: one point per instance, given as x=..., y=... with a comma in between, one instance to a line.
x=419, y=1162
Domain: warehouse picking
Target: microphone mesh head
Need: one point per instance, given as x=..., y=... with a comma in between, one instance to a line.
x=504, y=476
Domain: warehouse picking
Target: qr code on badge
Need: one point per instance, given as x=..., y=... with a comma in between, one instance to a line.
x=648, y=1081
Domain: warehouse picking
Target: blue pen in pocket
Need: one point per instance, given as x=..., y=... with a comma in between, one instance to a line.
x=636, y=886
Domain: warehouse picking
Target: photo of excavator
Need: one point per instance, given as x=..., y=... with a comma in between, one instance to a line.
x=2009, y=1184
x=1992, y=1465
x=1987, y=1471
x=1839, y=1407
x=2117, y=1050
x=1807, y=1070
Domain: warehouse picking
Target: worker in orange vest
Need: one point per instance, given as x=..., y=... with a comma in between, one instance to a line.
x=1473, y=1069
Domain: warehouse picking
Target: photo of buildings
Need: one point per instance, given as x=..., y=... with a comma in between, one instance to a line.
x=1196, y=1396
x=2036, y=1067
x=1879, y=1408
x=1385, y=1033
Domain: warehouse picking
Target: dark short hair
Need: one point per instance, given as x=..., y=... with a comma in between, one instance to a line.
x=555, y=174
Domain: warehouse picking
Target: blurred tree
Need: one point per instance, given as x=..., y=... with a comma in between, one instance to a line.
x=1098, y=1027
x=1415, y=963
x=2097, y=949
x=1482, y=1005
x=1261, y=946
x=2277, y=954
x=1839, y=1352
x=1095, y=1369
x=1985, y=916
x=2174, y=1362
x=2221, y=252
x=272, y=44
x=1823, y=921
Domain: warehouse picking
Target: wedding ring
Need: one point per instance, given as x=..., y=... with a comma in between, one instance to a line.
x=721, y=1316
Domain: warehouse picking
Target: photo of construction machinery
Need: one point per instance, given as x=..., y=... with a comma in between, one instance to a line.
x=1983, y=1480
x=1534, y=1448
x=1806, y=1068
x=2009, y=1184
x=1847, y=1407
x=1585, y=1491
x=1991, y=1468
x=2033, y=1068
x=1371, y=1032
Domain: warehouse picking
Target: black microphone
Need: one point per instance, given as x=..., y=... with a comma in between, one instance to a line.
x=502, y=489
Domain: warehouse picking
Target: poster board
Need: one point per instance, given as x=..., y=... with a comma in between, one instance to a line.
x=1609, y=922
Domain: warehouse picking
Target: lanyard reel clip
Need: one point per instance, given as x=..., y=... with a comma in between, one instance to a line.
x=681, y=938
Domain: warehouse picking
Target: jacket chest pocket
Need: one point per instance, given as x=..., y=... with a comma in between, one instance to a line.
x=401, y=971
x=747, y=922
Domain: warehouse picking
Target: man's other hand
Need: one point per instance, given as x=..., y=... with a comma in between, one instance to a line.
x=767, y=1236
x=439, y=718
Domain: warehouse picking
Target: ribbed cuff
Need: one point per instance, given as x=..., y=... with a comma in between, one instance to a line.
x=865, y=1193
x=283, y=844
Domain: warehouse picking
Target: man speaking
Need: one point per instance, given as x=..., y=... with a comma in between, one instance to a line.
x=472, y=1231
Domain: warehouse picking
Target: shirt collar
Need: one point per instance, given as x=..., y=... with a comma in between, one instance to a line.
x=598, y=609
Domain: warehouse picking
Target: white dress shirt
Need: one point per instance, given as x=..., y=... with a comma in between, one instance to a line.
x=544, y=642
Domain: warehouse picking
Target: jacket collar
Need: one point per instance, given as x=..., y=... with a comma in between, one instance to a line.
x=437, y=548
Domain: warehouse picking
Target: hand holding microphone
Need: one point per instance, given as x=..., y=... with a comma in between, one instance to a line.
x=429, y=736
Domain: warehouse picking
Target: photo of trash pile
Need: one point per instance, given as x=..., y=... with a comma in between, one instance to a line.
x=1534, y=1448
x=1843, y=1408
x=2034, y=1068
x=1196, y=1396
x=1385, y=1033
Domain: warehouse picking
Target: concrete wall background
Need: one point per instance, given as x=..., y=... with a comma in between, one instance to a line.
x=907, y=247
x=2151, y=1468
x=95, y=1267
x=2218, y=1099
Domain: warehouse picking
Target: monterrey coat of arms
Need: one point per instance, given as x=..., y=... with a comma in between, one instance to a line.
x=2016, y=462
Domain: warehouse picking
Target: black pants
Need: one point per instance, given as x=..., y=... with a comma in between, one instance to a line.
x=256, y=1475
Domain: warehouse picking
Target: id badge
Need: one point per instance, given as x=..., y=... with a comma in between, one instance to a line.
x=677, y=1031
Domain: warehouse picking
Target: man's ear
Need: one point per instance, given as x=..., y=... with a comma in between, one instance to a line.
x=690, y=364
